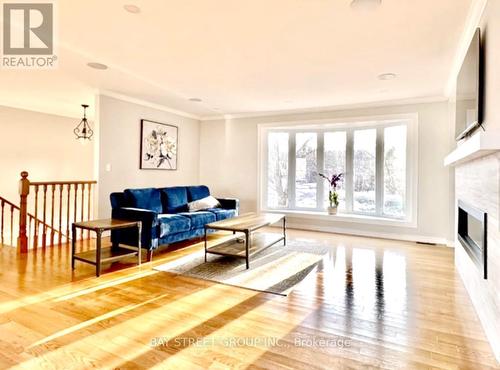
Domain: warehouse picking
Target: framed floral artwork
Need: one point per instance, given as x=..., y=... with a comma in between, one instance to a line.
x=158, y=146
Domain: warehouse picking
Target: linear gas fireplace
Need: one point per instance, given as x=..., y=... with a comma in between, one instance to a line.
x=473, y=234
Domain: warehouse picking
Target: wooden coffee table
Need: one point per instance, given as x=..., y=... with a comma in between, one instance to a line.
x=254, y=242
x=109, y=254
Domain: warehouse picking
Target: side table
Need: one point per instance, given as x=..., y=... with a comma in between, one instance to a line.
x=100, y=255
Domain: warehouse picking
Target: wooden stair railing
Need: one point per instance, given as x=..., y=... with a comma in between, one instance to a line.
x=13, y=209
x=52, y=223
x=4, y=202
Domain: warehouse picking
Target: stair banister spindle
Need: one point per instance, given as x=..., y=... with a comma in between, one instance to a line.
x=61, y=187
x=37, y=225
x=76, y=206
x=68, y=206
x=11, y=225
x=83, y=207
x=52, y=216
x=2, y=221
x=24, y=190
x=30, y=225
x=88, y=206
x=44, y=234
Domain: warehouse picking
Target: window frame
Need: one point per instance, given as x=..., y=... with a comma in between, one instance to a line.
x=349, y=125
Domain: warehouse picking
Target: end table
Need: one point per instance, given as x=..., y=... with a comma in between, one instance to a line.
x=100, y=255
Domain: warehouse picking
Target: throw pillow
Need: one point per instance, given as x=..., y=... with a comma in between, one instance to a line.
x=204, y=203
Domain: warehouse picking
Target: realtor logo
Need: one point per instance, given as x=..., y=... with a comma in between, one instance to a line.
x=28, y=35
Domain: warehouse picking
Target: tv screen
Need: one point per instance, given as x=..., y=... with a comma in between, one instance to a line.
x=468, y=114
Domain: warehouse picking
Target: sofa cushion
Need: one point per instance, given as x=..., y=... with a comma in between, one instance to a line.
x=197, y=192
x=222, y=214
x=199, y=219
x=174, y=199
x=148, y=198
x=172, y=224
x=185, y=235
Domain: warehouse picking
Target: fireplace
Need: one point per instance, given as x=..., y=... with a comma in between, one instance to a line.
x=473, y=234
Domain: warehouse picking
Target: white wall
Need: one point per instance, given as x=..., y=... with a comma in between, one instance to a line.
x=228, y=164
x=42, y=144
x=119, y=146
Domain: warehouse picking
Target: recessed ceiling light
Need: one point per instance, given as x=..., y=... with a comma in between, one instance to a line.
x=99, y=66
x=196, y=100
x=131, y=8
x=387, y=76
x=365, y=4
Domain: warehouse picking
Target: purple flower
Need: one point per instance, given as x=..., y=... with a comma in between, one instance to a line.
x=333, y=180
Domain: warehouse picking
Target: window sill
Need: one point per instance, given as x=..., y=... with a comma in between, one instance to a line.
x=361, y=219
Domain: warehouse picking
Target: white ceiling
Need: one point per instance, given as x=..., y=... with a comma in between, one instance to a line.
x=244, y=56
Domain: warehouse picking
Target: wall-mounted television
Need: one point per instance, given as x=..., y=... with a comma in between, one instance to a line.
x=469, y=104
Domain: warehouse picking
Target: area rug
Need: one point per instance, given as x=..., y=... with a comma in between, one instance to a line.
x=277, y=269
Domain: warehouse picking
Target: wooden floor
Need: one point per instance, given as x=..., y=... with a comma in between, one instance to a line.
x=370, y=303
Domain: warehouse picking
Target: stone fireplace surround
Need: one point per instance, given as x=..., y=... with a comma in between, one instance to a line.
x=477, y=182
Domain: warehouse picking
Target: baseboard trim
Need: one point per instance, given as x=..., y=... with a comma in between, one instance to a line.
x=373, y=234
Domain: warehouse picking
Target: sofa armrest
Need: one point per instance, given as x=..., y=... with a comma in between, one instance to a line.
x=149, y=220
x=230, y=203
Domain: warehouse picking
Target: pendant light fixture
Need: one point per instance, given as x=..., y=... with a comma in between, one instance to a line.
x=83, y=131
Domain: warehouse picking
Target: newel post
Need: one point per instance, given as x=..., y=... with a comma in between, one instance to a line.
x=24, y=190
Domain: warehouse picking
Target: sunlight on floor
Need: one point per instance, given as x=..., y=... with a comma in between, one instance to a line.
x=379, y=295
x=55, y=294
x=157, y=317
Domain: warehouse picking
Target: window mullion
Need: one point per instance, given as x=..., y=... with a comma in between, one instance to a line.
x=409, y=201
x=349, y=169
x=264, y=186
x=291, y=170
x=379, y=172
x=320, y=166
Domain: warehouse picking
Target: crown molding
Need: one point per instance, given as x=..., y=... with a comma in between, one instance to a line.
x=148, y=104
x=214, y=117
x=387, y=103
x=379, y=104
x=476, y=11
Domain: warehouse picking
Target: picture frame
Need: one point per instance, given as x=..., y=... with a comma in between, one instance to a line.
x=159, y=146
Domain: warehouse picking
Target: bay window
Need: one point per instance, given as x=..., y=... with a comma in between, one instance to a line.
x=376, y=158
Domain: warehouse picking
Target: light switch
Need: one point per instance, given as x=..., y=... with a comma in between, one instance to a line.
x=108, y=167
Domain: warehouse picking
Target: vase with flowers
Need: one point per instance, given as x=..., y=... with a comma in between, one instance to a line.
x=333, y=196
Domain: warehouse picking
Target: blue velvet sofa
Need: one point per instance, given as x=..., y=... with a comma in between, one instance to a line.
x=164, y=214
